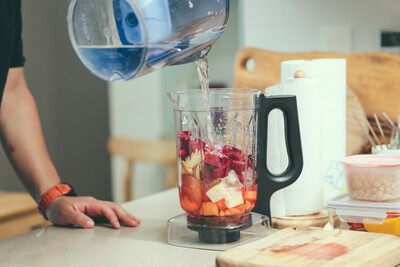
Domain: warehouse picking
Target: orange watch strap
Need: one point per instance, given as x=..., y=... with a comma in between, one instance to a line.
x=53, y=193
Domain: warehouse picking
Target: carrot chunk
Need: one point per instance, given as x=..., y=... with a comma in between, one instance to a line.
x=188, y=205
x=209, y=209
x=221, y=205
x=250, y=195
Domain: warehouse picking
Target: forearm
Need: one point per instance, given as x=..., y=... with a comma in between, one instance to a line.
x=22, y=137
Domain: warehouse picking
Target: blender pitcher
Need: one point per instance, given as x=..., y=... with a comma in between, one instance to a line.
x=223, y=175
x=123, y=39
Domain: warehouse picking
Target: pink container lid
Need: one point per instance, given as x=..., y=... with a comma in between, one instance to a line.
x=372, y=161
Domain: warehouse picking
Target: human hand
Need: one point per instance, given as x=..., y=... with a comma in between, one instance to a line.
x=79, y=211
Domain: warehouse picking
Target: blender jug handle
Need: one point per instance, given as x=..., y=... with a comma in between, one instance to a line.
x=269, y=183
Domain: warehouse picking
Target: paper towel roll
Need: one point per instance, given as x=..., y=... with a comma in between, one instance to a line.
x=331, y=73
x=304, y=196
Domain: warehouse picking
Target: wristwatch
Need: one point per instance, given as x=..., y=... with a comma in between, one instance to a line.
x=53, y=193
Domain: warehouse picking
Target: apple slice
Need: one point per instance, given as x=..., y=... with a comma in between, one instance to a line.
x=217, y=192
x=185, y=169
x=196, y=171
x=193, y=160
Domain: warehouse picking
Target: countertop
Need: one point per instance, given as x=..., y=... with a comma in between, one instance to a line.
x=145, y=245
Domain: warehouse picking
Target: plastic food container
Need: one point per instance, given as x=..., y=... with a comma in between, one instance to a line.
x=372, y=177
x=376, y=217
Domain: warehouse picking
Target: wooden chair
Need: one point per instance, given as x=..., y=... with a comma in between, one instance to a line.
x=373, y=81
x=156, y=152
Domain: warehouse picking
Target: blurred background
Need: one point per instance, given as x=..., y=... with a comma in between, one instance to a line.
x=79, y=112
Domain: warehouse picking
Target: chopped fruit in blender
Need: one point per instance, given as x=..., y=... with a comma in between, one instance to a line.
x=235, y=156
x=185, y=169
x=217, y=192
x=208, y=173
x=191, y=187
x=185, y=135
x=190, y=182
x=234, y=212
x=221, y=205
x=188, y=205
x=182, y=153
x=226, y=161
x=238, y=166
x=234, y=198
x=250, y=159
x=241, y=177
x=184, y=140
x=232, y=180
x=212, y=159
x=249, y=205
x=196, y=171
x=250, y=195
x=228, y=149
x=212, y=178
x=209, y=209
x=241, y=207
x=219, y=173
x=193, y=160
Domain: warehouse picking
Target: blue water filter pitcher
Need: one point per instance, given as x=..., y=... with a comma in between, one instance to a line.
x=123, y=39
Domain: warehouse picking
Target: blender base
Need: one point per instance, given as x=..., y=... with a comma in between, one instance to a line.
x=213, y=230
x=216, y=236
x=188, y=231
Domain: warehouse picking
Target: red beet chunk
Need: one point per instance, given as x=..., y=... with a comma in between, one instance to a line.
x=182, y=153
x=212, y=159
x=250, y=160
x=235, y=156
x=226, y=161
x=184, y=141
x=196, y=144
x=219, y=173
x=226, y=149
x=241, y=177
x=185, y=134
x=238, y=166
x=208, y=173
x=229, y=149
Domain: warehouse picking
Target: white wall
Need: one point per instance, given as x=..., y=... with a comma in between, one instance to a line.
x=296, y=26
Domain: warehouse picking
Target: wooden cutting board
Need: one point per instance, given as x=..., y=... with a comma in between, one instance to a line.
x=315, y=247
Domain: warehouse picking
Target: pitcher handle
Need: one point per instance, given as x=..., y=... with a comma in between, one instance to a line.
x=269, y=183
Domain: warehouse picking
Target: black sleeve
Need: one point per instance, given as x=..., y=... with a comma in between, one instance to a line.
x=17, y=59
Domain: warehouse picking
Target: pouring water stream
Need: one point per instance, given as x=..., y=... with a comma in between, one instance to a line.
x=202, y=69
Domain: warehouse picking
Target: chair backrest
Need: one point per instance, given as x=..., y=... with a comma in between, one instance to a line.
x=373, y=79
x=155, y=152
